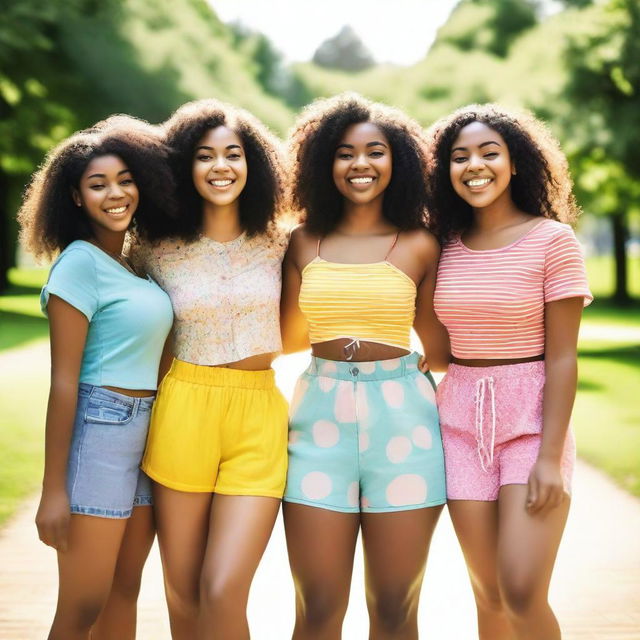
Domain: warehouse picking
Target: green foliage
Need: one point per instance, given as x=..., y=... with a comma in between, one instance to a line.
x=344, y=51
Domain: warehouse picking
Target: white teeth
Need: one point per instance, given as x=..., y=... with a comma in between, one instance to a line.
x=360, y=180
x=221, y=183
x=478, y=182
x=116, y=210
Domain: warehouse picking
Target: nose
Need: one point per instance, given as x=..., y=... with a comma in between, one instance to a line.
x=116, y=191
x=361, y=161
x=220, y=164
x=476, y=162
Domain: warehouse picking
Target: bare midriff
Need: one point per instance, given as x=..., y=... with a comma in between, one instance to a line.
x=339, y=349
x=133, y=393
x=495, y=363
x=260, y=362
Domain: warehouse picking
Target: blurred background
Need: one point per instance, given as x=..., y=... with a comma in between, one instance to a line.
x=65, y=64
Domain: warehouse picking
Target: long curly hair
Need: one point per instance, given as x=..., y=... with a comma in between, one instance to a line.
x=313, y=142
x=542, y=185
x=50, y=220
x=261, y=197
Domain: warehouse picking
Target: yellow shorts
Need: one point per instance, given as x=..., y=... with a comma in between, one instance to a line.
x=218, y=430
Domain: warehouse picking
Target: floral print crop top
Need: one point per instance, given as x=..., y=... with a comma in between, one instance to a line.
x=225, y=295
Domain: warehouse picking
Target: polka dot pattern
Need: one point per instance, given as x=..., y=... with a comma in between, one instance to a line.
x=326, y=384
x=406, y=490
x=345, y=408
x=294, y=436
x=363, y=441
x=353, y=494
x=390, y=365
x=325, y=434
x=398, y=449
x=393, y=393
x=367, y=367
x=316, y=485
x=425, y=388
x=422, y=437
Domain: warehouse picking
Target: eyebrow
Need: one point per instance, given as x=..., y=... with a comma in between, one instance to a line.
x=103, y=175
x=229, y=146
x=369, y=144
x=484, y=144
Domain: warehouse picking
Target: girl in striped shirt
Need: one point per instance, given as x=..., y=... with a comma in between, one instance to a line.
x=510, y=290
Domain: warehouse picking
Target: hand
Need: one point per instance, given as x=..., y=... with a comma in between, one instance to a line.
x=423, y=365
x=545, y=487
x=53, y=519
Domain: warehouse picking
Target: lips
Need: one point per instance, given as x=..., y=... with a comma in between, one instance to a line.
x=221, y=183
x=477, y=184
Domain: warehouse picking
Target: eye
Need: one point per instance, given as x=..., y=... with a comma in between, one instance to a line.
x=127, y=181
x=234, y=156
x=345, y=156
x=96, y=187
x=491, y=154
x=376, y=154
x=203, y=157
x=459, y=159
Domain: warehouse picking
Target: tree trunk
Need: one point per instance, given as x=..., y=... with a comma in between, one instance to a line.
x=620, y=235
x=7, y=258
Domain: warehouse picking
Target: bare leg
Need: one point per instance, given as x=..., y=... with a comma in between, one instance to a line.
x=118, y=618
x=395, y=550
x=182, y=520
x=527, y=550
x=321, y=546
x=85, y=572
x=239, y=530
x=476, y=525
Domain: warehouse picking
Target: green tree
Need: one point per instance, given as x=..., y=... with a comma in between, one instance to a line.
x=344, y=51
x=604, y=90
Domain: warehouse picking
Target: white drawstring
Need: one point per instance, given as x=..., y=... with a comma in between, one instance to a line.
x=486, y=457
x=354, y=343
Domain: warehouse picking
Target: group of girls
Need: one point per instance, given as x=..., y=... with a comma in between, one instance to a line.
x=175, y=267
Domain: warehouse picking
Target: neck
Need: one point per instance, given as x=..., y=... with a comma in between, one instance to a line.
x=109, y=241
x=501, y=213
x=363, y=219
x=221, y=223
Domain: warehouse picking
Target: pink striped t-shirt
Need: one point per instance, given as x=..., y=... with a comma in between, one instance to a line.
x=492, y=301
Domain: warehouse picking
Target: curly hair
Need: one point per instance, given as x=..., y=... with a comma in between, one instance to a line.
x=313, y=142
x=261, y=197
x=542, y=185
x=49, y=218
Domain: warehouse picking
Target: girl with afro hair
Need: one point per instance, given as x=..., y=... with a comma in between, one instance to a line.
x=108, y=324
x=510, y=289
x=217, y=443
x=365, y=451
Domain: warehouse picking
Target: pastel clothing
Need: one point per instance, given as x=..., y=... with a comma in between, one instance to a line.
x=364, y=436
x=129, y=317
x=368, y=301
x=103, y=469
x=491, y=421
x=218, y=430
x=225, y=295
x=492, y=301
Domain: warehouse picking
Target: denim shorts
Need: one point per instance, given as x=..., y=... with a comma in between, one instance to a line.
x=109, y=435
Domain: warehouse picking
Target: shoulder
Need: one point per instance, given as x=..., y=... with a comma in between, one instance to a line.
x=421, y=242
x=78, y=258
x=301, y=239
x=554, y=230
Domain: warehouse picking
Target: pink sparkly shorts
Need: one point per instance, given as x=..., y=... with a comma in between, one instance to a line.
x=491, y=422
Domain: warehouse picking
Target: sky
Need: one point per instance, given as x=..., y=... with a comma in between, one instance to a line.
x=398, y=31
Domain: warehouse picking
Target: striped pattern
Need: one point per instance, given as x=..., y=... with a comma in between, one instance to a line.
x=373, y=302
x=492, y=302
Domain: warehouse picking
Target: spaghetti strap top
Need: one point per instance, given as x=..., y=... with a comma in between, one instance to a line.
x=371, y=301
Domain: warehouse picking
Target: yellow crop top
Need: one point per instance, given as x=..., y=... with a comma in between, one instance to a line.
x=373, y=301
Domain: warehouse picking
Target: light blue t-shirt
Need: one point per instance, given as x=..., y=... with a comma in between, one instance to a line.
x=129, y=317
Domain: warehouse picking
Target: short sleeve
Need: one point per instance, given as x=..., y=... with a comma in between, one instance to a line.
x=73, y=278
x=565, y=275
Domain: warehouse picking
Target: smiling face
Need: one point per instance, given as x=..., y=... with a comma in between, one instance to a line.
x=480, y=166
x=362, y=163
x=219, y=167
x=108, y=195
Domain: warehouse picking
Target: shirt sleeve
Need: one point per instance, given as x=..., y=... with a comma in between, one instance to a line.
x=73, y=278
x=565, y=273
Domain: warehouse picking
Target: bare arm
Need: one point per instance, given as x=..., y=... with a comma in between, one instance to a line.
x=293, y=324
x=562, y=321
x=432, y=334
x=68, y=329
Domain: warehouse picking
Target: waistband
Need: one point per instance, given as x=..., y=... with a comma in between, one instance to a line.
x=364, y=371
x=222, y=376
x=100, y=393
x=500, y=372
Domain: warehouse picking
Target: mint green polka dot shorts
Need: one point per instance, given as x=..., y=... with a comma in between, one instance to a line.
x=365, y=436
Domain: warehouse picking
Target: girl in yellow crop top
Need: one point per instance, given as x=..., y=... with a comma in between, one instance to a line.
x=364, y=438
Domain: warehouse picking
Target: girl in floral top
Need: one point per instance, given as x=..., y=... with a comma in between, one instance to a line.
x=217, y=442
